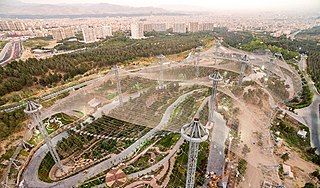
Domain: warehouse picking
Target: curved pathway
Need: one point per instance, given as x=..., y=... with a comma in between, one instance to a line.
x=311, y=113
x=30, y=175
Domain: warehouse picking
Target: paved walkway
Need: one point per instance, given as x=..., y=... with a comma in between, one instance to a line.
x=218, y=138
x=31, y=178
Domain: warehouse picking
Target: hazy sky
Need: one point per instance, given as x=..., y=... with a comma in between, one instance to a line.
x=209, y=4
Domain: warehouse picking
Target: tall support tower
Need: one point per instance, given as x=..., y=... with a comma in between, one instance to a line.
x=244, y=62
x=33, y=109
x=217, y=46
x=161, y=57
x=270, y=65
x=197, y=54
x=116, y=74
x=216, y=78
x=194, y=133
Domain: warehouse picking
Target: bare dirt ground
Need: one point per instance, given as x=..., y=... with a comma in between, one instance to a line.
x=262, y=162
x=254, y=133
x=300, y=168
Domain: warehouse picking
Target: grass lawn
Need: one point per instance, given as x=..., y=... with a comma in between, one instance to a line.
x=45, y=167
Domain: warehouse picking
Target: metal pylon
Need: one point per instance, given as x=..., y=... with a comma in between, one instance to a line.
x=161, y=57
x=197, y=54
x=33, y=109
x=194, y=133
x=217, y=45
x=116, y=74
x=270, y=66
x=244, y=61
x=216, y=78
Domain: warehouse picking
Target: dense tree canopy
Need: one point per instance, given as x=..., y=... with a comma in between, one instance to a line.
x=45, y=72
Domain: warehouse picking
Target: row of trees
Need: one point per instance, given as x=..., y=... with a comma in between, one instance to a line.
x=10, y=122
x=45, y=72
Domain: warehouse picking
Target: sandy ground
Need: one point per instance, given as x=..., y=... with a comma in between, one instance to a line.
x=261, y=163
x=301, y=170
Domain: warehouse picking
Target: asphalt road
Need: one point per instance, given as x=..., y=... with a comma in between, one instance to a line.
x=311, y=114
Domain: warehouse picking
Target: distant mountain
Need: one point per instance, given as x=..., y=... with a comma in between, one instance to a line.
x=15, y=8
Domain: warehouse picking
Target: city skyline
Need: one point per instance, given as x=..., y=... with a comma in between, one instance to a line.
x=267, y=5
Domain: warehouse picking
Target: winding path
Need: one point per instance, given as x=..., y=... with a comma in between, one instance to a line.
x=30, y=175
x=311, y=113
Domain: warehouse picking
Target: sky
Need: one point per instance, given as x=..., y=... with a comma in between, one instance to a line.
x=208, y=4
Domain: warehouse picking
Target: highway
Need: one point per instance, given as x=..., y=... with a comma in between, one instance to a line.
x=11, y=52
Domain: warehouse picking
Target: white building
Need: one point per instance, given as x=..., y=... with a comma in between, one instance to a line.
x=137, y=31
x=179, y=28
x=302, y=133
x=103, y=32
x=193, y=27
x=159, y=27
x=58, y=34
x=68, y=32
x=89, y=34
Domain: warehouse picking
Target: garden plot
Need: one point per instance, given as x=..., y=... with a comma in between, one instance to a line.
x=152, y=154
x=186, y=110
x=103, y=136
x=56, y=121
x=149, y=107
x=52, y=123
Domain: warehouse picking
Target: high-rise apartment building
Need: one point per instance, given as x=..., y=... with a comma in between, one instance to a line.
x=58, y=34
x=68, y=32
x=179, y=28
x=4, y=25
x=11, y=25
x=159, y=27
x=137, y=31
x=193, y=27
x=89, y=34
x=206, y=26
x=148, y=27
x=20, y=26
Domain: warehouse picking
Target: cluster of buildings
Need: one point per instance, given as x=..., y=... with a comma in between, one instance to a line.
x=137, y=29
x=90, y=33
x=94, y=33
x=12, y=25
x=96, y=28
x=62, y=33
